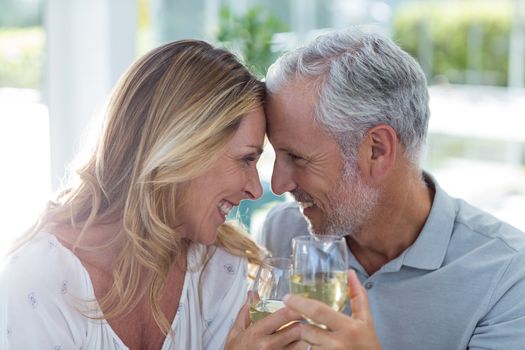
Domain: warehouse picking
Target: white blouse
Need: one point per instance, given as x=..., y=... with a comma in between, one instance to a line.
x=42, y=283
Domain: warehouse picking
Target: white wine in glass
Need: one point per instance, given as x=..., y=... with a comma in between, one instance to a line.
x=329, y=287
x=263, y=308
x=319, y=269
x=271, y=284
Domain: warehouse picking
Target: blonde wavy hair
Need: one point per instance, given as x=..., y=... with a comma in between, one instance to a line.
x=169, y=118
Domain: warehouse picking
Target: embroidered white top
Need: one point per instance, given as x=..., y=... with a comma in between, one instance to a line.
x=43, y=283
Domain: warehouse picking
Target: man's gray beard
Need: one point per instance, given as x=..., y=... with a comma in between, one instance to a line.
x=352, y=204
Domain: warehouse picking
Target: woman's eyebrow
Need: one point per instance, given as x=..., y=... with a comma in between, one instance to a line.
x=257, y=148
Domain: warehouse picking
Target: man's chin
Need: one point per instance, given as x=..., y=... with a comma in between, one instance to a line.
x=315, y=228
x=311, y=226
x=321, y=227
x=314, y=218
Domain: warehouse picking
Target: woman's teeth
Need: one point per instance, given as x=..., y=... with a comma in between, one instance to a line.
x=225, y=207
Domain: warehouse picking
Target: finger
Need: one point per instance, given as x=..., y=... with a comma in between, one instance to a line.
x=358, y=297
x=298, y=345
x=315, y=310
x=286, y=336
x=242, y=321
x=271, y=323
x=254, y=297
x=314, y=335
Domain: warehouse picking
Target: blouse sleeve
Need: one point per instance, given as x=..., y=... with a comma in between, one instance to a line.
x=224, y=294
x=34, y=303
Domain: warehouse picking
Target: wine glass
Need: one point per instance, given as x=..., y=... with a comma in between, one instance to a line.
x=319, y=269
x=272, y=283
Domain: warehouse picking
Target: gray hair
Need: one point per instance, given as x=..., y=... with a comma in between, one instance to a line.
x=362, y=80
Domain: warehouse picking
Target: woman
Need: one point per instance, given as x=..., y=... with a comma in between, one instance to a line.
x=136, y=254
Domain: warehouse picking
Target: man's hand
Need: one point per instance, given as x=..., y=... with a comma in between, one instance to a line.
x=265, y=333
x=343, y=332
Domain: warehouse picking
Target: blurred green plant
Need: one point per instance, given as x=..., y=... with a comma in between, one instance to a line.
x=452, y=28
x=250, y=36
x=17, y=13
x=21, y=57
x=145, y=39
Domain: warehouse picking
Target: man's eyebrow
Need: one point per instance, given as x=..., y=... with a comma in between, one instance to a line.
x=288, y=150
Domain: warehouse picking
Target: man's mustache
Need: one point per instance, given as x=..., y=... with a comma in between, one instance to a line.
x=302, y=196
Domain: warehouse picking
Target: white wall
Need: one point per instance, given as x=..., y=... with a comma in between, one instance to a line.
x=89, y=45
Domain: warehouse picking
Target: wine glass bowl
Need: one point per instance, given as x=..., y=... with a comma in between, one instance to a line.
x=319, y=269
x=271, y=284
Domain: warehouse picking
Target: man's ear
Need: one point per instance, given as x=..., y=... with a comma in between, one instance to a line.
x=378, y=151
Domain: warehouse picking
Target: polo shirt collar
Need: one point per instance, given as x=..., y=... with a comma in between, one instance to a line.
x=430, y=248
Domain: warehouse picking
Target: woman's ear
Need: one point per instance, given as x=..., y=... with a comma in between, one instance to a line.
x=378, y=151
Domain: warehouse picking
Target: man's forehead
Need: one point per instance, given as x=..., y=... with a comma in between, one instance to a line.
x=292, y=125
x=298, y=88
x=291, y=115
x=293, y=102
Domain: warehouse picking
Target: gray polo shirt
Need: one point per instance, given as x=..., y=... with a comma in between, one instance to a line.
x=460, y=285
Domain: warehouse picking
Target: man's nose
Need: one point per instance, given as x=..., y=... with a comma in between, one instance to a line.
x=282, y=181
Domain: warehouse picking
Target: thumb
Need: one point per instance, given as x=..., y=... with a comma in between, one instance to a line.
x=242, y=321
x=358, y=297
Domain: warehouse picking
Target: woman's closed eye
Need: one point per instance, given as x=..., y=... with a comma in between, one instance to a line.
x=250, y=159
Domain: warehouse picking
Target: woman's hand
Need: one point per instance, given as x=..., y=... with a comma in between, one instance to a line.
x=343, y=332
x=265, y=333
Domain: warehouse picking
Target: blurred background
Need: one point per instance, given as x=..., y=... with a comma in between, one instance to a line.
x=60, y=58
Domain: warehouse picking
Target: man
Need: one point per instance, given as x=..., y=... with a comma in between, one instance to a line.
x=347, y=117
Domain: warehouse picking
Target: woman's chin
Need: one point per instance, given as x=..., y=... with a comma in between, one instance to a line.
x=208, y=239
